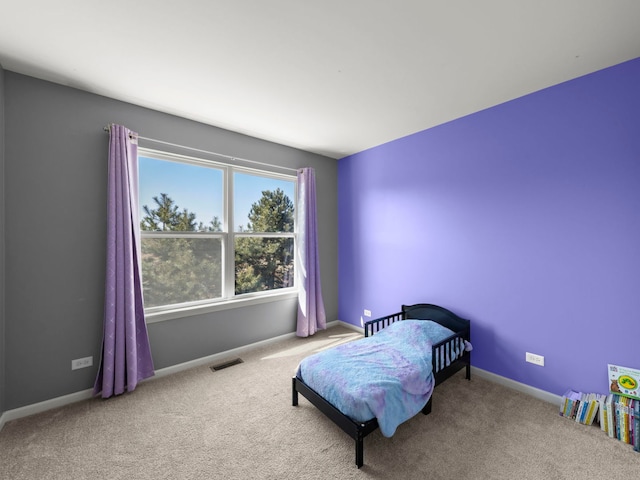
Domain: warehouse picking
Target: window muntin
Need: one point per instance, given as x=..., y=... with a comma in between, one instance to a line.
x=190, y=256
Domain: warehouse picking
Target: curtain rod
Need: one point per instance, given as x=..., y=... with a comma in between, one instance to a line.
x=228, y=157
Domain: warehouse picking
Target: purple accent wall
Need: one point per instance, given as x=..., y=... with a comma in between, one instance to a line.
x=524, y=218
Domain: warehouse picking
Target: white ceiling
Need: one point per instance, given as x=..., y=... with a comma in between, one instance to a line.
x=333, y=77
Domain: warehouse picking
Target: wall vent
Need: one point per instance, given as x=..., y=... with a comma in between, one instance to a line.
x=226, y=364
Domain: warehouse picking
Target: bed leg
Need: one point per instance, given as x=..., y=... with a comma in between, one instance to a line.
x=427, y=408
x=294, y=393
x=359, y=452
x=468, y=371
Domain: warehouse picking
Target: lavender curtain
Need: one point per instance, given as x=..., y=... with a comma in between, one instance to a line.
x=311, y=313
x=126, y=353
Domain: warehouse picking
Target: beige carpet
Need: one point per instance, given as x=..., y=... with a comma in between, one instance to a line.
x=238, y=423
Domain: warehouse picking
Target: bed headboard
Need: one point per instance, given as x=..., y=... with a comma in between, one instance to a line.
x=427, y=311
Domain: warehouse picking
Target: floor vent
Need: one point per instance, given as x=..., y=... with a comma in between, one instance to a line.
x=229, y=363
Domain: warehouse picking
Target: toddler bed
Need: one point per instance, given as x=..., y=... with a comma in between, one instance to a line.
x=387, y=377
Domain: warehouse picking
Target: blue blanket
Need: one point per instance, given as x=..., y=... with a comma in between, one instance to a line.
x=387, y=376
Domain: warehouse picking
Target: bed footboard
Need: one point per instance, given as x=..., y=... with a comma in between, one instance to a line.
x=356, y=430
x=446, y=359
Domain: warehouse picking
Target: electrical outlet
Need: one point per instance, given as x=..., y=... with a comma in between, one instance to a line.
x=535, y=359
x=81, y=363
x=367, y=313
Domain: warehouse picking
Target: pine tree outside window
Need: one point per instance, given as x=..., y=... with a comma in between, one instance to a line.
x=213, y=232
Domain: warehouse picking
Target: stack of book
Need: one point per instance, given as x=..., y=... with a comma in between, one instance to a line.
x=620, y=418
x=617, y=412
x=622, y=405
x=581, y=407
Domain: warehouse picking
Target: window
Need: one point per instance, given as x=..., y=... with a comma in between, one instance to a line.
x=212, y=232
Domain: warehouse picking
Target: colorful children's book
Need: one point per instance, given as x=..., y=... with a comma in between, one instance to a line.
x=611, y=417
x=624, y=381
x=568, y=404
x=596, y=400
x=633, y=433
x=604, y=420
x=636, y=440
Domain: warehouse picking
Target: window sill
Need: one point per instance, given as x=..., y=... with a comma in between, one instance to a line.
x=219, y=306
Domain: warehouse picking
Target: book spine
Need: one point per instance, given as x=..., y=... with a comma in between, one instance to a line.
x=594, y=408
x=593, y=412
x=604, y=421
x=636, y=445
x=632, y=426
x=633, y=433
x=618, y=416
x=627, y=419
x=574, y=410
x=580, y=408
x=602, y=413
x=585, y=409
x=610, y=416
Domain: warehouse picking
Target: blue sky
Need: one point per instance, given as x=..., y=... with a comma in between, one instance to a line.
x=200, y=189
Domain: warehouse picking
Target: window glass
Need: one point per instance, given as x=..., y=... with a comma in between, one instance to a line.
x=189, y=256
x=263, y=263
x=262, y=204
x=180, y=196
x=181, y=270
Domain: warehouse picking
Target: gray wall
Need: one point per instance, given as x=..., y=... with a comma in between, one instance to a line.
x=2, y=203
x=55, y=171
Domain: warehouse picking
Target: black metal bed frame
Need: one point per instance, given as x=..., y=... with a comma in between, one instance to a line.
x=420, y=311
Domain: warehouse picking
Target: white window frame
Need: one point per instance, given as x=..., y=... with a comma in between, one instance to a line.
x=228, y=236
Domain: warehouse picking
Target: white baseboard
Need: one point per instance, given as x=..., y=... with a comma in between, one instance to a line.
x=3, y=420
x=40, y=407
x=44, y=406
x=347, y=325
x=520, y=387
x=212, y=359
